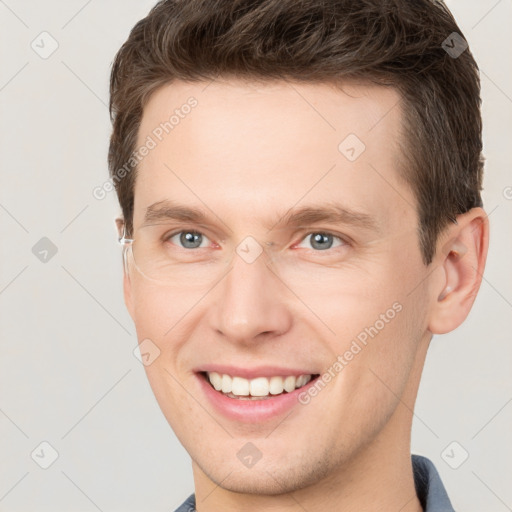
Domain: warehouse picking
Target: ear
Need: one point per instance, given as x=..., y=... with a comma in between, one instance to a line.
x=461, y=255
x=127, y=285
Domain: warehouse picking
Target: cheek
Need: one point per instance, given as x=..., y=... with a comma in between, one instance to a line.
x=157, y=308
x=349, y=301
x=378, y=324
x=158, y=312
x=377, y=361
x=166, y=316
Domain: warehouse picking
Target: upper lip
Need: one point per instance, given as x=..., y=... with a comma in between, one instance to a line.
x=252, y=373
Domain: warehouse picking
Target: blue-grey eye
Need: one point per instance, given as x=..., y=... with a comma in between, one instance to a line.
x=322, y=241
x=189, y=239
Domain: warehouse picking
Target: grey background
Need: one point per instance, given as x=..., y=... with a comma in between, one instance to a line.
x=68, y=375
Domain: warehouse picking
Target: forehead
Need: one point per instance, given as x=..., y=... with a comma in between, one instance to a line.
x=234, y=146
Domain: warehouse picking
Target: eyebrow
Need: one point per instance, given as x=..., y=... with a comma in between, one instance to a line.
x=330, y=213
x=167, y=210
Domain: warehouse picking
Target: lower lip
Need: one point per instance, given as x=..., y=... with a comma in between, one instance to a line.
x=252, y=411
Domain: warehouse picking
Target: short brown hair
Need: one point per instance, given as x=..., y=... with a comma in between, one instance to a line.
x=398, y=43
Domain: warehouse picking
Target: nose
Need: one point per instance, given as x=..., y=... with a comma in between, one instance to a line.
x=251, y=303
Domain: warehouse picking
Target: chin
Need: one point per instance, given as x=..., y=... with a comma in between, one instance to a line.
x=266, y=479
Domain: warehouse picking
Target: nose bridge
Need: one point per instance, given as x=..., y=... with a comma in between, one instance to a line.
x=250, y=300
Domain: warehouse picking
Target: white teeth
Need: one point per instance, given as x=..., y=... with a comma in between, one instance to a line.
x=240, y=386
x=276, y=385
x=289, y=383
x=227, y=382
x=216, y=380
x=301, y=380
x=260, y=386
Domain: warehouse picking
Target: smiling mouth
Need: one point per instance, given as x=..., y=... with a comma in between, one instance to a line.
x=259, y=388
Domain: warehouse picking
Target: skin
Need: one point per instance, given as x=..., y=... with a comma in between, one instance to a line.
x=245, y=155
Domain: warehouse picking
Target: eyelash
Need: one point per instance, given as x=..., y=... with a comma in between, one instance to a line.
x=343, y=239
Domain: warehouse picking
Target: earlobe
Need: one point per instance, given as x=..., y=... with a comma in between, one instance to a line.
x=461, y=257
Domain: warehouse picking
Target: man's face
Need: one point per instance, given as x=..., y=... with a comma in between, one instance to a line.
x=260, y=287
